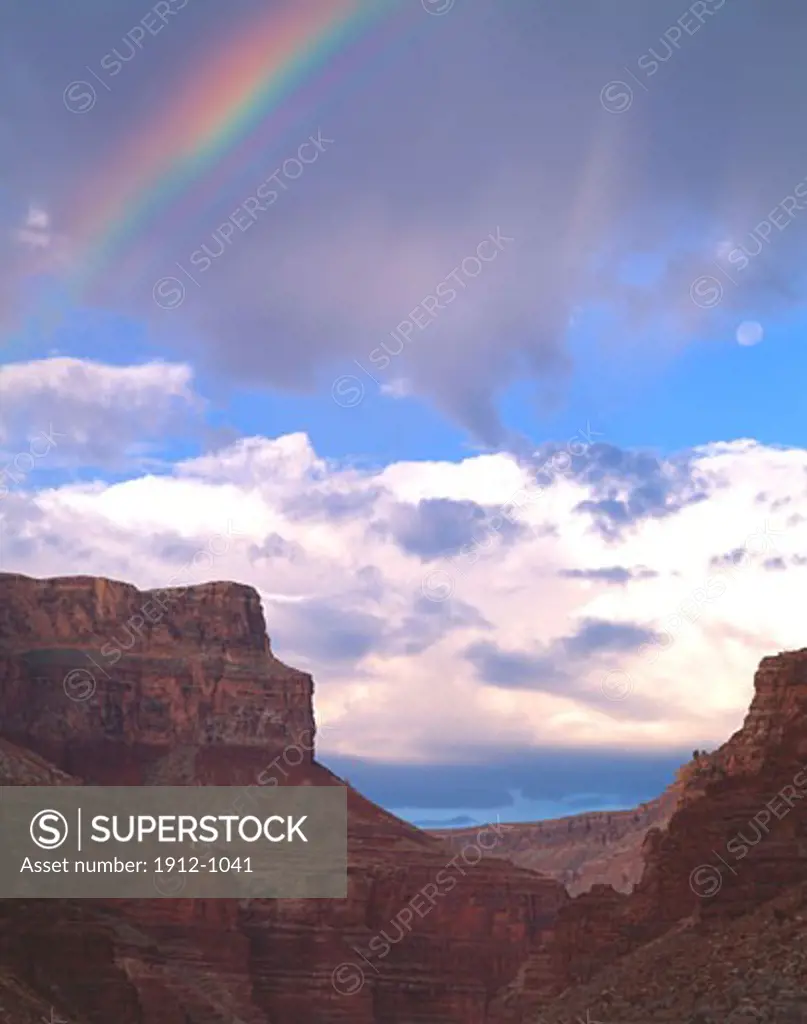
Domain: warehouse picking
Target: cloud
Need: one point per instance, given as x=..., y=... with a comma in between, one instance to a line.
x=596, y=636
x=355, y=248
x=96, y=414
x=326, y=633
x=512, y=651
x=35, y=233
x=632, y=486
x=325, y=504
x=562, y=666
x=427, y=623
x=514, y=669
x=438, y=526
x=323, y=633
x=615, y=574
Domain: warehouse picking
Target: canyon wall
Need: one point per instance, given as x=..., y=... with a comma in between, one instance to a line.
x=88, y=664
x=736, y=841
x=104, y=684
x=582, y=850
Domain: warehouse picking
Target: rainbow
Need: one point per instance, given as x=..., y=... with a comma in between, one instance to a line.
x=228, y=96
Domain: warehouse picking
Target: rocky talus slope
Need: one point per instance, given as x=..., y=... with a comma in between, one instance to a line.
x=102, y=684
x=689, y=943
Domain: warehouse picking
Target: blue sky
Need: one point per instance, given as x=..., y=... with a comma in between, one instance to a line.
x=716, y=388
x=581, y=220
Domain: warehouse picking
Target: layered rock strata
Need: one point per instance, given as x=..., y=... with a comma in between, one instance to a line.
x=107, y=685
x=736, y=841
x=582, y=850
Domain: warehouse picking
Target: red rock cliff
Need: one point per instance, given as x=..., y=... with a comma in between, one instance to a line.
x=189, y=692
x=582, y=850
x=90, y=663
x=737, y=840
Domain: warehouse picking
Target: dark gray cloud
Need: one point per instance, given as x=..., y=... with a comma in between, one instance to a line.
x=515, y=670
x=630, y=486
x=615, y=574
x=335, y=631
x=551, y=668
x=274, y=547
x=779, y=564
x=605, y=464
x=437, y=527
x=324, y=632
x=173, y=548
x=776, y=564
x=730, y=560
x=558, y=667
x=332, y=505
x=425, y=165
x=428, y=622
x=597, y=636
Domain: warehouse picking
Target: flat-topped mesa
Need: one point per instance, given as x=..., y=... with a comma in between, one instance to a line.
x=190, y=693
x=87, y=662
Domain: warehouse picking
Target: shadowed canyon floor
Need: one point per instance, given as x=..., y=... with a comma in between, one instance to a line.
x=103, y=684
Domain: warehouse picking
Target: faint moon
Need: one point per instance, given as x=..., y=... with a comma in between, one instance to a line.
x=750, y=333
